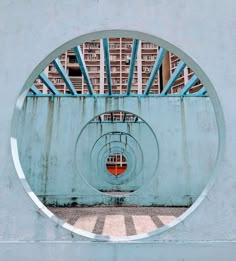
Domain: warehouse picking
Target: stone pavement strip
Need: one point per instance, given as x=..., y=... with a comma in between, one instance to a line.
x=118, y=221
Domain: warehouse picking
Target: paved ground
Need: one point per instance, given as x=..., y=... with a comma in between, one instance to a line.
x=118, y=221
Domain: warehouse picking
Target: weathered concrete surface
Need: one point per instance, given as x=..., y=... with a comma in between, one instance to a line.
x=170, y=157
x=203, y=30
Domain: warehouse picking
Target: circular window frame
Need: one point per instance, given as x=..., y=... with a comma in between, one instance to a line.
x=219, y=115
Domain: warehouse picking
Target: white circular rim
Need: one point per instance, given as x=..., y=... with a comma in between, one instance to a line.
x=138, y=35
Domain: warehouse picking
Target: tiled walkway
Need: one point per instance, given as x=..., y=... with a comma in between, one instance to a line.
x=118, y=221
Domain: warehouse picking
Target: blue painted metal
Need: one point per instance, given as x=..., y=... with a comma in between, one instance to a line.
x=189, y=85
x=80, y=60
x=35, y=90
x=173, y=77
x=107, y=62
x=48, y=83
x=202, y=91
x=132, y=65
x=195, y=95
x=155, y=69
x=114, y=95
x=64, y=76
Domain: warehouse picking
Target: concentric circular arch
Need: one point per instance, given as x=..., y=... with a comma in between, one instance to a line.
x=106, y=34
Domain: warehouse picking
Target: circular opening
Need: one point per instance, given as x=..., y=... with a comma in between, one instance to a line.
x=116, y=164
x=178, y=96
x=116, y=132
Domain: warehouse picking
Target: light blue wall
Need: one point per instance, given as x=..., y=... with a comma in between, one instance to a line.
x=203, y=34
x=170, y=156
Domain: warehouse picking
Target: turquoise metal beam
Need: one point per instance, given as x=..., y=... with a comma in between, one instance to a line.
x=202, y=91
x=48, y=83
x=173, y=77
x=132, y=65
x=139, y=96
x=107, y=62
x=35, y=90
x=64, y=76
x=155, y=69
x=80, y=60
x=189, y=85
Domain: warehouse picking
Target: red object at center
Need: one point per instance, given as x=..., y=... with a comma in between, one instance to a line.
x=116, y=170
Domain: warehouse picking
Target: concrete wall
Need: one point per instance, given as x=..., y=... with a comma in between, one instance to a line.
x=170, y=156
x=203, y=34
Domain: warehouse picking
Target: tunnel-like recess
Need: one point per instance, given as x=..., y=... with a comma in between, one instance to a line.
x=115, y=122
x=110, y=138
